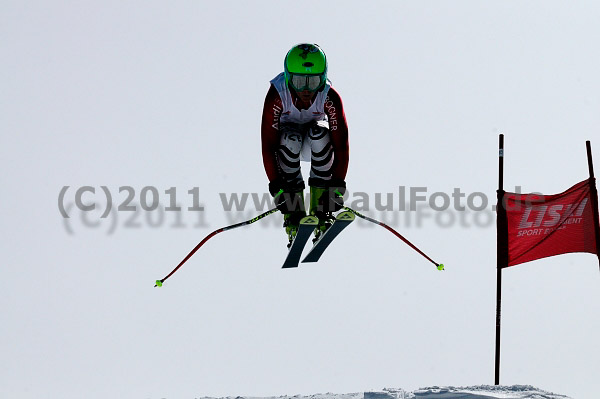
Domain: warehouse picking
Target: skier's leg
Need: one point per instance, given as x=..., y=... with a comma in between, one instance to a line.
x=291, y=221
x=288, y=158
x=288, y=154
x=322, y=158
x=321, y=149
x=326, y=218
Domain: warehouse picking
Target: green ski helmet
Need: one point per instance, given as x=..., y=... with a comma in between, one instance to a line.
x=305, y=67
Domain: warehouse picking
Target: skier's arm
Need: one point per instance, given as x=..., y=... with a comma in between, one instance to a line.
x=270, y=132
x=339, y=133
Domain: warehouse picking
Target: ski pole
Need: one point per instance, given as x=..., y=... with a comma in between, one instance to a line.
x=159, y=283
x=440, y=266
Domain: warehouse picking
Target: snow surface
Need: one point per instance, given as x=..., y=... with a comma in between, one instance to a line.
x=473, y=392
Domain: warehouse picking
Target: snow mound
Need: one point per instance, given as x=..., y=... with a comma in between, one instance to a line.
x=474, y=392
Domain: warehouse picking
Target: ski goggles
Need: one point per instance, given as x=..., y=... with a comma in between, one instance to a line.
x=306, y=82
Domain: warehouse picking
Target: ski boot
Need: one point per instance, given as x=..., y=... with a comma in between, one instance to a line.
x=325, y=217
x=326, y=197
x=289, y=199
x=291, y=222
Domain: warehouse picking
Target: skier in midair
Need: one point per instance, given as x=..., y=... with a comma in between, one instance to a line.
x=303, y=120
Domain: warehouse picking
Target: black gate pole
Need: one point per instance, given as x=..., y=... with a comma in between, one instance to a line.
x=501, y=250
x=594, y=193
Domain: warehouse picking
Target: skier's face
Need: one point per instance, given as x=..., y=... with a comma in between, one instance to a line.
x=306, y=95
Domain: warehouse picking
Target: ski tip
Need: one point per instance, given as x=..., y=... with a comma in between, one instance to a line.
x=158, y=283
x=440, y=266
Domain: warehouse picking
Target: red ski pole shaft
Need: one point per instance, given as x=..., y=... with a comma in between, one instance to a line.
x=440, y=266
x=160, y=282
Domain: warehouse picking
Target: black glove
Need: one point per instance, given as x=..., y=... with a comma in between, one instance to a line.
x=287, y=195
x=332, y=199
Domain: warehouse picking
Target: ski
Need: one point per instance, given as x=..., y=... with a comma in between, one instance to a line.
x=305, y=229
x=342, y=220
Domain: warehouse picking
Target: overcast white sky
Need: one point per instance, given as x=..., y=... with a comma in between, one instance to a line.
x=170, y=94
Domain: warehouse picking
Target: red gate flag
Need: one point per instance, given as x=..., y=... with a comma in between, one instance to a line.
x=534, y=226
